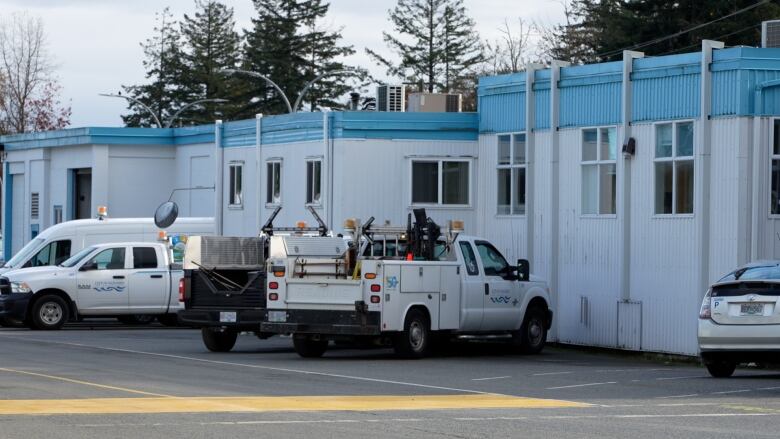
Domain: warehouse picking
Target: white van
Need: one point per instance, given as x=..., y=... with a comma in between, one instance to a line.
x=61, y=241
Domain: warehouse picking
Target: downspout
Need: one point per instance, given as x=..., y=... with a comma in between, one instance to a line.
x=555, y=76
x=625, y=195
x=530, y=142
x=259, y=171
x=328, y=168
x=218, y=178
x=703, y=173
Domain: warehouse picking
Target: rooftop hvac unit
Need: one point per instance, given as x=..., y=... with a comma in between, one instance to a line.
x=770, y=33
x=391, y=98
x=435, y=102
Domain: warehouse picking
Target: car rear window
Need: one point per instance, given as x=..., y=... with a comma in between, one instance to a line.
x=144, y=257
x=763, y=272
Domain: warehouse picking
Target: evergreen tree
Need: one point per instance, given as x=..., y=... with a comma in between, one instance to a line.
x=443, y=45
x=211, y=45
x=599, y=30
x=164, y=66
x=287, y=45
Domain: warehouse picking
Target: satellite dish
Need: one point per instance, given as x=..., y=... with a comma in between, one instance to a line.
x=166, y=214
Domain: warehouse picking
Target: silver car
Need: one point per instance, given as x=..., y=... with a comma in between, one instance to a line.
x=739, y=321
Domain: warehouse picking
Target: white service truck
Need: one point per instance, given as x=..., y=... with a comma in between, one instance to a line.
x=402, y=286
x=124, y=280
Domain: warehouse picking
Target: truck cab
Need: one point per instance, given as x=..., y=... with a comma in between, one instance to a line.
x=117, y=279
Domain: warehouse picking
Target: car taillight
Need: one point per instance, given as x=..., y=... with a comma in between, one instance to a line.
x=375, y=288
x=273, y=285
x=181, y=290
x=706, y=311
x=375, y=299
x=273, y=296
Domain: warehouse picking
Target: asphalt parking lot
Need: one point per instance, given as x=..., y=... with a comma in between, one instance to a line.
x=111, y=381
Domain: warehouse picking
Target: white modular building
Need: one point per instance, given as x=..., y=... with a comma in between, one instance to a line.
x=630, y=185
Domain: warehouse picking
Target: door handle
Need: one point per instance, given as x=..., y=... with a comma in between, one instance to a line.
x=119, y=277
x=487, y=289
x=156, y=276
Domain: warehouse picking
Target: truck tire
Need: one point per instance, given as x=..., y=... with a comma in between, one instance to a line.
x=218, y=341
x=415, y=339
x=308, y=347
x=49, y=312
x=168, y=320
x=720, y=369
x=533, y=333
x=136, y=319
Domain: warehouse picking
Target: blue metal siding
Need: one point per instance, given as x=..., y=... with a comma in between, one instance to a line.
x=419, y=126
x=292, y=128
x=666, y=87
x=502, y=113
x=239, y=133
x=590, y=94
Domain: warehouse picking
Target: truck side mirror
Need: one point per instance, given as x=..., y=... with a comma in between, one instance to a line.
x=89, y=266
x=523, y=270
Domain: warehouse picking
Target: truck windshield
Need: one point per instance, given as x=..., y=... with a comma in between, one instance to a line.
x=23, y=254
x=73, y=260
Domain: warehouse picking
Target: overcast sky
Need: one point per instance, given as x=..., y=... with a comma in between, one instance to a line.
x=96, y=42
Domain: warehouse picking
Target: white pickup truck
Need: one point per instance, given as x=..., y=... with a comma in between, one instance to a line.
x=390, y=291
x=119, y=279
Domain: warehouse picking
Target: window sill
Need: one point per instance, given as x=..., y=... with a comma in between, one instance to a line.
x=510, y=216
x=273, y=205
x=597, y=216
x=235, y=207
x=672, y=216
x=314, y=205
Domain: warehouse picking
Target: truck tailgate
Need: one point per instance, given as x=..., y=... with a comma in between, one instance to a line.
x=335, y=294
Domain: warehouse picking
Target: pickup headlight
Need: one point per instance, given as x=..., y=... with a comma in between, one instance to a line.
x=20, y=288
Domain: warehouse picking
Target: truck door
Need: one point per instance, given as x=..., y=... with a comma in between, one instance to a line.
x=472, y=301
x=148, y=281
x=501, y=297
x=102, y=282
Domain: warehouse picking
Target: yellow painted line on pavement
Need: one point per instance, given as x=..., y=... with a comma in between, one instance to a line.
x=274, y=404
x=85, y=383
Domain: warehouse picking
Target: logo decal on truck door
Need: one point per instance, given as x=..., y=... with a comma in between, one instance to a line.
x=392, y=282
x=501, y=299
x=109, y=287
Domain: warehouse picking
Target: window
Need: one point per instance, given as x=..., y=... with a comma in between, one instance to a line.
x=599, y=171
x=144, y=257
x=674, y=168
x=236, y=184
x=469, y=259
x=53, y=253
x=110, y=259
x=493, y=262
x=274, y=182
x=775, y=200
x=444, y=182
x=313, y=182
x=57, y=214
x=512, y=153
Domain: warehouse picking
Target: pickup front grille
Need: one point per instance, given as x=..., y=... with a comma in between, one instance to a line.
x=5, y=285
x=203, y=295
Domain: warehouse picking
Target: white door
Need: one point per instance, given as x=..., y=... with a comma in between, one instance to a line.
x=502, y=297
x=18, y=211
x=102, y=282
x=148, y=281
x=472, y=292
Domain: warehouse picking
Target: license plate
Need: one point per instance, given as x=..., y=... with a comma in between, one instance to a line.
x=227, y=317
x=277, y=316
x=752, y=309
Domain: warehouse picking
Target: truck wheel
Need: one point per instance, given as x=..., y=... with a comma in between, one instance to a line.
x=414, y=341
x=168, y=319
x=49, y=312
x=720, y=369
x=533, y=333
x=308, y=347
x=136, y=319
x=218, y=341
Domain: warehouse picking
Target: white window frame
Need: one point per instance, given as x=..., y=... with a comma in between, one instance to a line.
x=310, y=184
x=674, y=159
x=512, y=167
x=232, y=195
x=597, y=163
x=772, y=157
x=274, y=202
x=440, y=161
